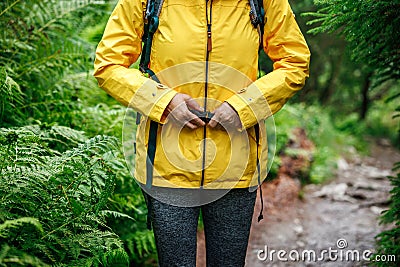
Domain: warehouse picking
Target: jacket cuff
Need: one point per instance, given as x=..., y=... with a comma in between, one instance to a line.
x=251, y=105
x=243, y=109
x=157, y=113
x=152, y=99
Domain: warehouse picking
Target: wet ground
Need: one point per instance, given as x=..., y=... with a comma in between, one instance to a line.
x=340, y=217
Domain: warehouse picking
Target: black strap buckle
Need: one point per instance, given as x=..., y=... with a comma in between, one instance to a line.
x=203, y=115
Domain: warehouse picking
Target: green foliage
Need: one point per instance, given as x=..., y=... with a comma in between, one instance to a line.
x=388, y=241
x=40, y=47
x=127, y=215
x=11, y=96
x=53, y=205
x=360, y=63
x=102, y=119
x=122, y=211
x=382, y=120
x=138, y=241
x=79, y=190
x=330, y=141
x=370, y=28
x=15, y=224
x=334, y=80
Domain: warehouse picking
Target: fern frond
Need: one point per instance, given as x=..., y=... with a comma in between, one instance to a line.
x=116, y=257
x=9, y=225
x=11, y=97
x=142, y=242
x=116, y=214
x=9, y=256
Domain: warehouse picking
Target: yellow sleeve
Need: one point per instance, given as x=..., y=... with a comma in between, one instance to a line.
x=119, y=48
x=285, y=45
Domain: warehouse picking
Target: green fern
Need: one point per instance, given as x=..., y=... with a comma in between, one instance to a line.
x=9, y=256
x=388, y=241
x=68, y=191
x=11, y=225
x=11, y=97
x=40, y=47
x=79, y=189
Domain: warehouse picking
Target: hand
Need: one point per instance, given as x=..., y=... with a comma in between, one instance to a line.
x=178, y=109
x=226, y=116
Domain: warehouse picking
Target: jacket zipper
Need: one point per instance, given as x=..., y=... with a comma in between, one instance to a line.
x=209, y=48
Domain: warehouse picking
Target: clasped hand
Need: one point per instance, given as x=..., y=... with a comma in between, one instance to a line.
x=178, y=109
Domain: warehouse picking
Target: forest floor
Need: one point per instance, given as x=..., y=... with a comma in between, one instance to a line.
x=341, y=215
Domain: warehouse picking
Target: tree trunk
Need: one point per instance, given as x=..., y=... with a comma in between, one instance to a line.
x=365, y=97
x=328, y=91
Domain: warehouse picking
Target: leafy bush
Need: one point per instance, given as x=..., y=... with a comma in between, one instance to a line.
x=41, y=49
x=46, y=54
x=388, y=241
x=54, y=205
x=383, y=120
x=11, y=97
x=138, y=240
x=330, y=141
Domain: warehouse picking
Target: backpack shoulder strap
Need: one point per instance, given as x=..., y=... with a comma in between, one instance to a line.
x=153, y=10
x=257, y=17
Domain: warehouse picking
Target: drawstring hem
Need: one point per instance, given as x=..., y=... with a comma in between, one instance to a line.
x=261, y=216
x=257, y=133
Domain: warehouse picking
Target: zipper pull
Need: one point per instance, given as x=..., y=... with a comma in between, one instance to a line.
x=209, y=42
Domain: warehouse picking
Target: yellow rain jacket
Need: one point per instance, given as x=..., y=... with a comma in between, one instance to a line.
x=212, y=158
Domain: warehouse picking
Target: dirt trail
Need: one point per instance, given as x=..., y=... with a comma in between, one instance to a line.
x=345, y=208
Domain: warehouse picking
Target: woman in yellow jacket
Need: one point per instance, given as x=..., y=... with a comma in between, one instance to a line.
x=204, y=54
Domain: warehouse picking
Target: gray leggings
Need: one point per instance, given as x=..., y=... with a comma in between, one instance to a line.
x=227, y=224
